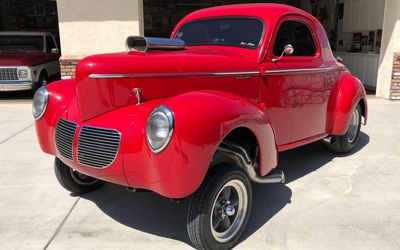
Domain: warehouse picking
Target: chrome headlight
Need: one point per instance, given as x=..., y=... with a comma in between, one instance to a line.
x=39, y=104
x=159, y=128
x=24, y=73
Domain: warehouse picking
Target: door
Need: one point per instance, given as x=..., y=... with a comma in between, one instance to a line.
x=300, y=78
x=52, y=66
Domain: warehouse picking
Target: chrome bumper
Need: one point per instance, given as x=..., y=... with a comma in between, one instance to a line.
x=15, y=85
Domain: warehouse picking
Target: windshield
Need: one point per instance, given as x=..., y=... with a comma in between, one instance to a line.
x=241, y=32
x=21, y=43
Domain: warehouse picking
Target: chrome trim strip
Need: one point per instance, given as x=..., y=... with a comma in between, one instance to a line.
x=176, y=74
x=299, y=70
x=23, y=85
x=194, y=74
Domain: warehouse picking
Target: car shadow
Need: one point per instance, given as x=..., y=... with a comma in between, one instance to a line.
x=268, y=200
x=151, y=213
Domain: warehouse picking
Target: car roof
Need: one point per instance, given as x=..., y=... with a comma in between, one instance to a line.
x=270, y=13
x=24, y=33
x=264, y=11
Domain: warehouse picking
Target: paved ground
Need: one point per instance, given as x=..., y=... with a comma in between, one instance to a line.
x=329, y=202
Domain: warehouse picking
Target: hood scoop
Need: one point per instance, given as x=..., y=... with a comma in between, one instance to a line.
x=145, y=44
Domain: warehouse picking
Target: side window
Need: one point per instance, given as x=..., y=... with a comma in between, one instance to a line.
x=50, y=44
x=297, y=34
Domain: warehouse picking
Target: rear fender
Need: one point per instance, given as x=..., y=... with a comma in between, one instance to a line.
x=344, y=97
x=202, y=120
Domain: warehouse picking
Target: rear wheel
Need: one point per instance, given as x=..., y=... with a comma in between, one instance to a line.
x=220, y=209
x=74, y=181
x=345, y=143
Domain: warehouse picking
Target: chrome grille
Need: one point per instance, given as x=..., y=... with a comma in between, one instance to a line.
x=98, y=147
x=65, y=133
x=8, y=74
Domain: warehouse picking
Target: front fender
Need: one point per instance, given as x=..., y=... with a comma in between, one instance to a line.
x=202, y=120
x=61, y=96
x=345, y=95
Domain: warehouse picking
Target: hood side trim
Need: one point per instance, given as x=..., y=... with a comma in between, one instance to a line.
x=176, y=74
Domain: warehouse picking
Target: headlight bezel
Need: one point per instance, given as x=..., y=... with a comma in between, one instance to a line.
x=28, y=73
x=44, y=91
x=171, y=122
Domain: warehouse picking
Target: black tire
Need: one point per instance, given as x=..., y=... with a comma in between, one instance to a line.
x=203, y=211
x=345, y=143
x=74, y=181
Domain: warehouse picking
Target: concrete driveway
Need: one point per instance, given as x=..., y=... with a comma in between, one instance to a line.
x=329, y=202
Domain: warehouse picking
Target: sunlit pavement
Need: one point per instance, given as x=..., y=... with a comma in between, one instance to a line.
x=330, y=201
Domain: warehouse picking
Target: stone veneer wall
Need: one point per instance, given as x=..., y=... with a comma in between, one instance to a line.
x=395, y=85
x=68, y=66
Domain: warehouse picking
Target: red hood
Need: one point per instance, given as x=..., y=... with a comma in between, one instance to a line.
x=97, y=96
x=21, y=58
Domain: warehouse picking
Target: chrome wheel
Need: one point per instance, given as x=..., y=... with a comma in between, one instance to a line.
x=352, y=132
x=81, y=178
x=229, y=211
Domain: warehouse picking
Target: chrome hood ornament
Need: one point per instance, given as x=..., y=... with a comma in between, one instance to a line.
x=138, y=95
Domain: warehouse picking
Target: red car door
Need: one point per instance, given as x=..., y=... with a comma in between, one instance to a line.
x=302, y=74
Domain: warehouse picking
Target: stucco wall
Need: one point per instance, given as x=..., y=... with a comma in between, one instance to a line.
x=390, y=45
x=97, y=26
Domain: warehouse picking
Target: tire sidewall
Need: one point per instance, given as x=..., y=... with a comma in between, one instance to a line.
x=341, y=143
x=64, y=177
x=347, y=145
x=235, y=174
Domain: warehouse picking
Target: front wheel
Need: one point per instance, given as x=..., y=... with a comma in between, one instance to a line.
x=345, y=143
x=220, y=209
x=74, y=181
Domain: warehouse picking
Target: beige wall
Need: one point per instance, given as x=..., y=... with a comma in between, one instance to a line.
x=390, y=45
x=98, y=26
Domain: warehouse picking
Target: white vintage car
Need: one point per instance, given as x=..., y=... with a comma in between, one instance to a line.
x=28, y=60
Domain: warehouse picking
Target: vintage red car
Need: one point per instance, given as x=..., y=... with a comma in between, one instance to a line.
x=27, y=60
x=203, y=114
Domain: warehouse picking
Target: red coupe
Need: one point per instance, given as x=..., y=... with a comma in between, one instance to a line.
x=204, y=113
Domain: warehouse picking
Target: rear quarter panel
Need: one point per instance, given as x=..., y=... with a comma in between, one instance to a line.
x=345, y=95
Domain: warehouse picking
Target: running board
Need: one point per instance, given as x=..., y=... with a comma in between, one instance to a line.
x=240, y=155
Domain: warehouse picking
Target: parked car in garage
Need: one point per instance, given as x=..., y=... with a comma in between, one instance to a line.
x=203, y=114
x=28, y=60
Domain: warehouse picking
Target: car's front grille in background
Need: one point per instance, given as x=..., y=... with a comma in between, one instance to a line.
x=65, y=133
x=8, y=74
x=98, y=147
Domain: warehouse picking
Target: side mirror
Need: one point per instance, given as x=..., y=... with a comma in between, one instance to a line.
x=288, y=50
x=54, y=50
